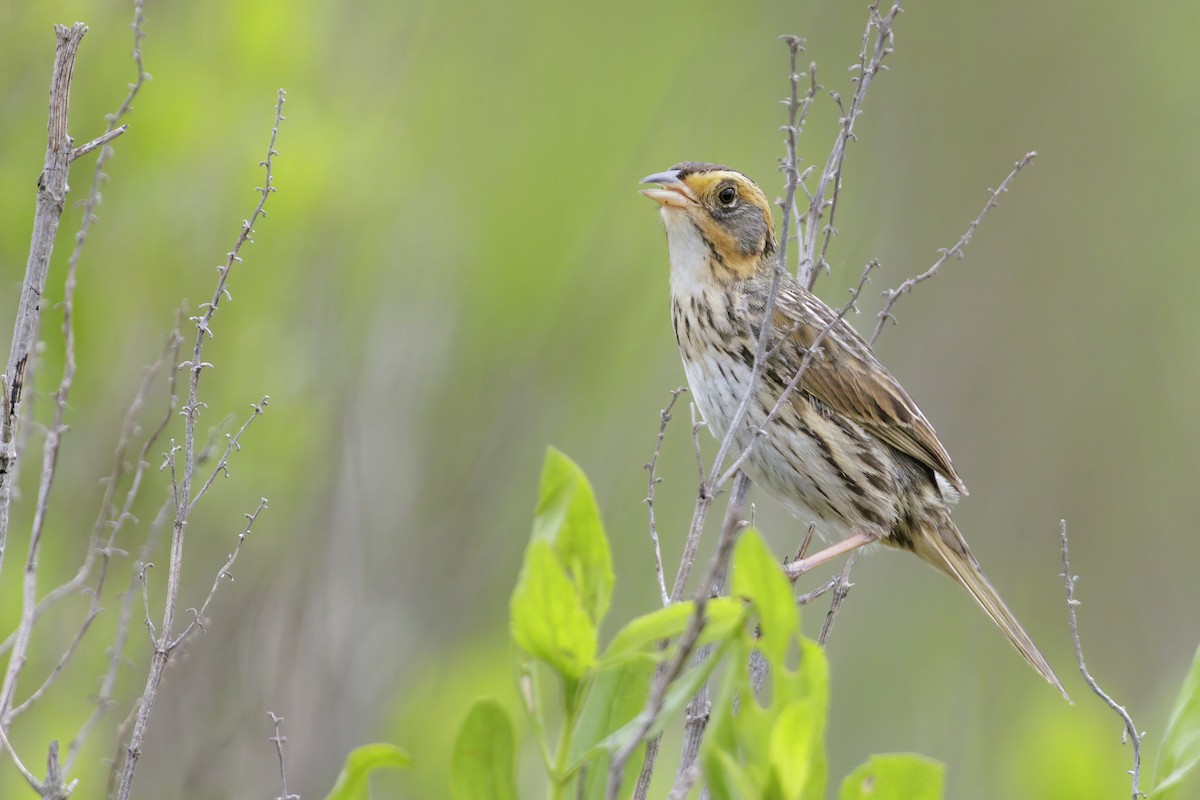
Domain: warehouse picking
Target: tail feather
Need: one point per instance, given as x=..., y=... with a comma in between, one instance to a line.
x=947, y=551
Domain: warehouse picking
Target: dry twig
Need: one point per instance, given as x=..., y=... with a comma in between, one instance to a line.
x=684, y=649
x=165, y=641
x=892, y=295
x=870, y=63
x=51, y=198
x=652, y=481
x=278, y=739
x=1131, y=730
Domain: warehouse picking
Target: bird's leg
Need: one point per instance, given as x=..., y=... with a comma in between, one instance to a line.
x=797, y=568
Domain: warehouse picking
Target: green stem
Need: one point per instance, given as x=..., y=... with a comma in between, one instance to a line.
x=559, y=779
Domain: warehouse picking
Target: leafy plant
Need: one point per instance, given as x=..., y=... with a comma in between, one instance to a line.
x=1180, y=751
x=754, y=748
x=766, y=733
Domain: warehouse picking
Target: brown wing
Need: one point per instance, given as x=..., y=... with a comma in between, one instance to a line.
x=848, y=378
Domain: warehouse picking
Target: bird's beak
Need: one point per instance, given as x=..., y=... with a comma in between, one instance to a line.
x=674, y=192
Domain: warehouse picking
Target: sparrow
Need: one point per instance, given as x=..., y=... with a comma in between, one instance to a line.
x=848, y=449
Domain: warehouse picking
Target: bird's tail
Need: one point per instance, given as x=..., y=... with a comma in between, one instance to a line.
x=945, y=549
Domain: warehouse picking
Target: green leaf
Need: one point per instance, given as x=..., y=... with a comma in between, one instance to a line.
x=1181, y=743
x=616, y=695
x=897, y=776
x=548, y=620
x=726, y=778
x=482, y=764
x=791, y=745
x=758, y=578
x=352, y=783
x=811, y=683
x=722, y=616
x=678, y=695
x=567, y=517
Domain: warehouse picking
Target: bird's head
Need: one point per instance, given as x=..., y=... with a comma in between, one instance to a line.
x=719, y=224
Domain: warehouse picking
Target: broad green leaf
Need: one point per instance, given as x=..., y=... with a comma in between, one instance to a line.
x=722, y=616
x=615, y=696
x=548, y=620
x=1180, y=751
x=353, y=782
x=725, y=778
x=812, y=685
x=594, y=776
x=791, y=746
x=897, y=776
x=567, y=517
x=678, y=695
x=758, y=578
x=482, y=765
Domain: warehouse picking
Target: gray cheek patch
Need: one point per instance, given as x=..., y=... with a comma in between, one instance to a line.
x=750, y=230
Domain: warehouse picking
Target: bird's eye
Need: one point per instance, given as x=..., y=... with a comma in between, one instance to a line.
x=727, y=196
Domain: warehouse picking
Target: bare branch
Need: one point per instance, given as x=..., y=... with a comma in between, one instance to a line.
x=684, y=649
x=222, y=466
x=99, y=141
x=56, y=173
x=841, y=588
x=894, y=295
x=802, y=550
x=51, y=198
x=1130, y=729
x=870, y=63
x=797, y=114
x=182, y=494
x=33, y=782
x=664, y=418
x=823, y=589
x=279, y=739
x=116, y=653
x=700, y=707
x=223, y=574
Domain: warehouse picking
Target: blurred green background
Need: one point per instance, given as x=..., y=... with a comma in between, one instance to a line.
x=457, y=271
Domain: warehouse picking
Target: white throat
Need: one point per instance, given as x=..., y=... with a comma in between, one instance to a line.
x=688, y=253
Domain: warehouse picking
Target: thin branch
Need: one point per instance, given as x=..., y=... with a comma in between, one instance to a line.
x=279, y=739
x=1130, y=729
x=841, y=588
x=120, y=751
x=108, y=516
x=99, y=141
x=802, y=550
x=222, y=466
x=684, y=649
x=31, y=610
x=223, y=574
x=116, y=654
x=33, y=782
x=823, y=589
x=893, y=295
x=652, y=481
x=183, y=505
x=51, y=198
x=870, y=63
x=700, y=707
x=797, y=114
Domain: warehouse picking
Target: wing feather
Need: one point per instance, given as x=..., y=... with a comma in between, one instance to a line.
x=848, y=378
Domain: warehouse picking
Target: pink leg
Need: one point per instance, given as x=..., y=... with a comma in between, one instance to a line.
x=797, y=568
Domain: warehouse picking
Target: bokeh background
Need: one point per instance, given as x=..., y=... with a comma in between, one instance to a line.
x=457, y=271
